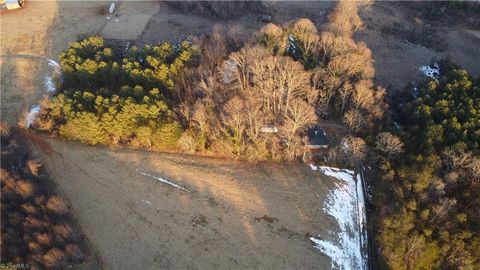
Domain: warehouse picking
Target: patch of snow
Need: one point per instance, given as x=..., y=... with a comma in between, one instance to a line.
x=164, y=181
x=362, y=216
x=108, y=18
x=116, y=20
x=32, y=115
x=431, y=72
x=345, y=147
x=229, y=69
x=49, y=85
x=111, y=9
x=346, y=204
x=147, y=202
x=414, y=92
x=292, y=48
x=55, y=65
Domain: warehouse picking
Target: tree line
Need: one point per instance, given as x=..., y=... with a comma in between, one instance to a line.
x=37, y=230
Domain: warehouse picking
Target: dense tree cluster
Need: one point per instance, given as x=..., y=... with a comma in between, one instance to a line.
x=107, y=96
x=36, y=227
x=166, y=97
x=426, y=199
x=286, y=77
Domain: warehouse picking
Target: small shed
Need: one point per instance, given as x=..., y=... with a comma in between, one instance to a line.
x=269, y=129
x=317, y=138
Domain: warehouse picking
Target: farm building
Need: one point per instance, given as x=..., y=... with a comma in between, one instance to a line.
x=317, y=138
x=316, y=143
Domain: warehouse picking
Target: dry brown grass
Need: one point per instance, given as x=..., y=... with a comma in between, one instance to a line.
x=34, y=247
x=5, y=176
x=74, y=253
x=4, y=129
x=54, y=258
x=43, y=239
x=29, y=209
x=63, y=232
x=33, y=166
x=14, y=219
x=24, y=188
x=57, y=205
x=33, y=224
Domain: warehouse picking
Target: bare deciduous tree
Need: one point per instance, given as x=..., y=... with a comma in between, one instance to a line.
x=345, y=92
x=326, y=87
x=234, y=116
x=353, y=119
x=299, y=115
x=354, y=146
x=456, y=159
x=34, y=166
x=362, y=97
x=344, y=19
x=200, y=117
x=389, y=143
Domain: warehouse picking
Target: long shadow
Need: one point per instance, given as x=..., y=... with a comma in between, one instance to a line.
x=237, y=216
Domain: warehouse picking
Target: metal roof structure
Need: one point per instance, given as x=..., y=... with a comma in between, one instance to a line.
x=317, y=136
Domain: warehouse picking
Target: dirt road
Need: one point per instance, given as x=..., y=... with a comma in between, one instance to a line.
x=232, y=216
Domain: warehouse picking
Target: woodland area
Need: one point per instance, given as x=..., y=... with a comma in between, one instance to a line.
x=214, y=94
x=426, y=198
x=37, y=229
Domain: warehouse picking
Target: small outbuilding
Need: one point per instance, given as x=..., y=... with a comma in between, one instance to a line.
x=317, y=138
x=269, y=129
x=316, y=144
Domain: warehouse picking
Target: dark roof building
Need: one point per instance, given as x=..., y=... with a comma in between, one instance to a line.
x=317, y=138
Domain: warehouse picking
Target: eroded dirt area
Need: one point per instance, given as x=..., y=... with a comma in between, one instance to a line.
x=228, y=215
x=394, y=37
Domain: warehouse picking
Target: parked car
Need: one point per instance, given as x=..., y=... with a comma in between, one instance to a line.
x=11, y=4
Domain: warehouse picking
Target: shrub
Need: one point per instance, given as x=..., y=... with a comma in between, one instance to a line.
x=24, y=188
x=62, y=232
x=54, y=258
x=43, y=239
x=74, y=253
x=56, y=205
x=33, y=166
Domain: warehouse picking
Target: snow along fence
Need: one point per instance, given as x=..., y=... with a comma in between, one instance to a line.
x=348, y=247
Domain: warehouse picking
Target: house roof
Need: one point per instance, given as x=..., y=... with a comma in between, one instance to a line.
x=317, y=136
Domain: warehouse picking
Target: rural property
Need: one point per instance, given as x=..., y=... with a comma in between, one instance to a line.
x=240, y=135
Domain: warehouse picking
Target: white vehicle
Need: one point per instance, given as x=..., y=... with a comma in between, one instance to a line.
x=11, y=4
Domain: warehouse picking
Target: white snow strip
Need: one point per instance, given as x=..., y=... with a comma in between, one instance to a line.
x=346, y=204
x=147, y=202
x=111, y=9
x=49, y=85
x=32, y=115
x=164, y=181
x=53, y=64
x=362, y=216
x=428, y=71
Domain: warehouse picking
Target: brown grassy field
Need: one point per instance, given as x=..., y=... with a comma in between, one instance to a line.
x=233, y=215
